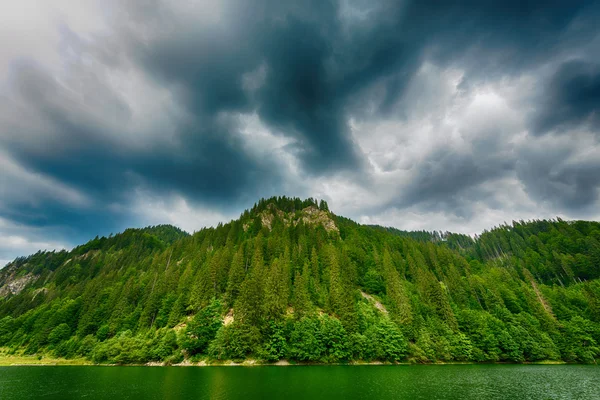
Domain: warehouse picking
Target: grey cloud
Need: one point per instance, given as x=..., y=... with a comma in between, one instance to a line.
x=318, y=64
x=206, y=161
x=75, y=147
x=315, y=64
x=452, y=180
x=297, y=97
x=571, y=99
x=555, y=172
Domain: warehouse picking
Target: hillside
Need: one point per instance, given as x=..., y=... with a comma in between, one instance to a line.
x=291, y=280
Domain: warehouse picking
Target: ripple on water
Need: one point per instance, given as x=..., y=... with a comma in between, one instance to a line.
x=446, y=382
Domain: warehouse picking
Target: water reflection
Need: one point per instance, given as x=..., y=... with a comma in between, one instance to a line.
x=314, y=382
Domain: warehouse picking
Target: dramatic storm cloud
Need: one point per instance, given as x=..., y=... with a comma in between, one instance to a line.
x=420, y=115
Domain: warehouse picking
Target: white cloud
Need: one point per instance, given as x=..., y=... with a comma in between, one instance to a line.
x=475, y=134
x=19, y=240
x=175, y=210
x=30, y=28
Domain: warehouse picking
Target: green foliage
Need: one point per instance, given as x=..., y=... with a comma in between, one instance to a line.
x=202, y=329
x=250, y=303
x=234, y=342
x=276, y=291
x=385, y=342
x=125, y=348
x=301, y=302
x=7, y=328
x=373, y=282
x=103, y=332
x=237, y=274
x=528, y=291
x=334, y=340
x=164, y=345
x=60, y=333
x=580, y=340
x=274, y=344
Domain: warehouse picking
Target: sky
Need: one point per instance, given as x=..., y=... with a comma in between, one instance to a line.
x=454, y=116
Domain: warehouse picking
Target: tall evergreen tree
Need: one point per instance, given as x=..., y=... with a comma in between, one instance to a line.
x=301, y=300
x=236, y=276
x=398, y=300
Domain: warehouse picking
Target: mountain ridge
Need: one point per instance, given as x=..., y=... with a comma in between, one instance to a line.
x=289, y=279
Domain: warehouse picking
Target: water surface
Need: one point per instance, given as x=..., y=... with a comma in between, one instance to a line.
x=302, y=382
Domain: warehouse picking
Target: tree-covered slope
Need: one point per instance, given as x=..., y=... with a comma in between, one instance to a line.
x=289, y=279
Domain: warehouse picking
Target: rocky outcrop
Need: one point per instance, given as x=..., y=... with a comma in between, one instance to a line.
x=12, y=283
x=267, y=216
x=376, y=303
x=229, y=317
x=310, y=216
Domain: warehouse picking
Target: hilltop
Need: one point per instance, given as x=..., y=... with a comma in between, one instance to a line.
x=291, y=280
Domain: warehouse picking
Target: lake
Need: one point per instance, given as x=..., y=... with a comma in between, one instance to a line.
x=302, y=382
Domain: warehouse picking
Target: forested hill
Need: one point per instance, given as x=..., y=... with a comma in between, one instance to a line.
x=291, y=280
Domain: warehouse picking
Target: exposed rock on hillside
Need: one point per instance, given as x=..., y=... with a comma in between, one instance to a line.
x=309, y=215
x=312, y=215
x=12, y=283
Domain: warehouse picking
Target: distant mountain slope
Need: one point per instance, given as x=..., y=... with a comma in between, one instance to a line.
x=290, y=279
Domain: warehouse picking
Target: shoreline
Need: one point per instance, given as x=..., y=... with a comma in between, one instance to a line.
x=22, y=361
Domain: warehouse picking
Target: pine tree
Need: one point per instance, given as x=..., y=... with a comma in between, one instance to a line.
x=276, y=291
x=301, y=301
x=323, y=206
x=341, y=301
x=248, y=308
x=236, y=276
x=315, y=278
x=399, y=303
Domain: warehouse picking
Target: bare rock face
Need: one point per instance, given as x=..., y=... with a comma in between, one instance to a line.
x=267, y=216
x=11, y=283
x=310, y=216
x=229, y=317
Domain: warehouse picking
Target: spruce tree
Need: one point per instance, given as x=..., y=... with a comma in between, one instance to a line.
x=248, y=308
x=398, y=300
x=236, y=277
x=301, y=300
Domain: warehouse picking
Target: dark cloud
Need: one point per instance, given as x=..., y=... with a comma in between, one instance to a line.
x=207, y=160
x=570, y=99
x=317, y=60
x=444, y=180
x=555, y=172
x=297, y=96
x=70, y=145
x=154, y=104
x=68, y=224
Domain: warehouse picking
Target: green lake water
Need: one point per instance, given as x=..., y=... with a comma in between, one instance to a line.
x=302, y=382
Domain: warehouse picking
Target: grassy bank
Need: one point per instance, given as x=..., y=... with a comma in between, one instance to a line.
x=7, y=359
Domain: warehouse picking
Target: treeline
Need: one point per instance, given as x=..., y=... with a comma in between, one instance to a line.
x=455, y=241
x=297, y=290
x=558, y=252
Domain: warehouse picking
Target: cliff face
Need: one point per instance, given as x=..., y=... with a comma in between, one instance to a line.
x=311, y=216
x=13, y=281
